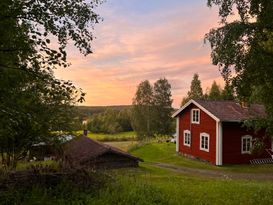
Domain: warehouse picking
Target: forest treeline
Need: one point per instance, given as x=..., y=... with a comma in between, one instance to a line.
x=215, y=92
x=111, y=121
x=149, y=115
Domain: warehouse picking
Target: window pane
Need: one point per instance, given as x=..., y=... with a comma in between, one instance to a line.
x=246, y=144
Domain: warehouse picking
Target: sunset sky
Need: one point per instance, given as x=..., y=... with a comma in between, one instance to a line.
x=141, y=40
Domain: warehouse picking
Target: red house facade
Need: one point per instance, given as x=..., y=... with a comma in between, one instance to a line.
x=213, y=131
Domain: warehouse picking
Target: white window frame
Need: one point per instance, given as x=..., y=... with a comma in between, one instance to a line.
x=206, y=135
x=242, y=144
x=193, y=120
x=188, y=141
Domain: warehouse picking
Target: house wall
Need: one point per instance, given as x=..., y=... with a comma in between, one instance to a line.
x=232, y=133
x=207, y=125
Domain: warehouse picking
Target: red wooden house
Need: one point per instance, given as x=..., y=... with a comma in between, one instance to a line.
x=213, y=131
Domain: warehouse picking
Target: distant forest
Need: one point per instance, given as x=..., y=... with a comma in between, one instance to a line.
x=106, y=119
x=87, y=111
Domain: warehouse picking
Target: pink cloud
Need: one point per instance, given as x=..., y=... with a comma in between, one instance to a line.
x=127, y=52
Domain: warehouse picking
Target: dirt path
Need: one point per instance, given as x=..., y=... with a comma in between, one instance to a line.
x=214, y=173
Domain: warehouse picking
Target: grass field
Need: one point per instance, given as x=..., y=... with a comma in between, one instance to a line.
x=122, y=136
x=148, y=185
x=185, y=189
x=165, y=152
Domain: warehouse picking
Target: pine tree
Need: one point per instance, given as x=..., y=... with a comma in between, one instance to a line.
x=195, y=92
x=215, y=92
x=228, y=93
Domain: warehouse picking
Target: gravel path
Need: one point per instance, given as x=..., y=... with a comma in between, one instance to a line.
x=215, y=173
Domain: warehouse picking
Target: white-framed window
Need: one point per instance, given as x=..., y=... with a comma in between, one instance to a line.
x=204, y=142
x=187, y=138
x=195, y=116
x=246, y=144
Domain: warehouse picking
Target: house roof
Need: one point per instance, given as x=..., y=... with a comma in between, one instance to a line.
x=226, y=111
x=83, y=149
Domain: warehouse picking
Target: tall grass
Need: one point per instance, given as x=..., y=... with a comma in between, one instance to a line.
x=147, y=186
x=120, y=190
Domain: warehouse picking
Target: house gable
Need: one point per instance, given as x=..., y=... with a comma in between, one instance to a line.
x=199, y=107
x=206, y=124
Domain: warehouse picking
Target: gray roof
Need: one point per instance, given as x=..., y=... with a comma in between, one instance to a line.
x=83, y=149
x=229, y=111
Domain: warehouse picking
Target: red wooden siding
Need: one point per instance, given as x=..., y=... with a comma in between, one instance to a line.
x=232, y=133
x=207, y=125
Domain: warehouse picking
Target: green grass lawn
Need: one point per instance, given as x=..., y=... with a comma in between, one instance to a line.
x=165, y=152
x=122, y=136
x=148, y=185
x=178, y=188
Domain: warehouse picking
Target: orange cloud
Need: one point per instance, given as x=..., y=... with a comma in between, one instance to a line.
x=127, y=51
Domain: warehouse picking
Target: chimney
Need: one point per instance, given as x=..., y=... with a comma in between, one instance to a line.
x=85, y=132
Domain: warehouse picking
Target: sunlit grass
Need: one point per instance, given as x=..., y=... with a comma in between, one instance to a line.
x=122, y=136
x=165, y=153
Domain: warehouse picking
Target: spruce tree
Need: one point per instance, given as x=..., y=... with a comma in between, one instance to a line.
x=228, y=93
x=196, y=91
x=215, y=92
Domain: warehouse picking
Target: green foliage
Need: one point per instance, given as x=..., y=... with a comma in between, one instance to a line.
x=33, y=103
x=152, y=108
x=122, y=190
x=110, y=121
x=215, y=92
x=153, y=185
x=143, y=110
x=121, y=136
x=88, y=111
x=149, y=185
x=195, y=92
x=243, y=49
x=258, y=147
x=228, y=93
x=163, y=107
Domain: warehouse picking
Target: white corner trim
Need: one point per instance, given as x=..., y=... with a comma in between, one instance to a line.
x=198, y=105
x=177, y=135
x=219, y=144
